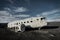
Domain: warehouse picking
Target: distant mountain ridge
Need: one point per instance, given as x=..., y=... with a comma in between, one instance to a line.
x=53, y=23
x=3, y=25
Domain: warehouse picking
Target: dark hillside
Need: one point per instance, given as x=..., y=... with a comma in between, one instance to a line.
x=53, y=23
x=3, y=25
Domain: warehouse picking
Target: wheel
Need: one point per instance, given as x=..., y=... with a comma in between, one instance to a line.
x=22, y=28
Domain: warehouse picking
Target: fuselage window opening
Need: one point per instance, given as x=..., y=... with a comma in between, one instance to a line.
x=16, y=28
x=24, y=22
x=16, y=23
x=31, y=21
x=13, y=28
x=27, y=21
x=42, y=18
x=21, y=22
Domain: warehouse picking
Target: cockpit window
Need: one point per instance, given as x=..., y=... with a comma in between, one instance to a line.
x=42, y=18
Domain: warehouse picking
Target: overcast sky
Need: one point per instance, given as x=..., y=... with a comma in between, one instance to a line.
x=11, y=10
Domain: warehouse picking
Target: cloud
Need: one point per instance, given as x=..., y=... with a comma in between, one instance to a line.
x=50, y=12
x=7, y=9
x=22, y=15
x=4, y=13
x=16, y=9
x=38, y=15
x=7, y=16
x=11, y=1
x=21, y=9
x=28, y=2
x=51, y=15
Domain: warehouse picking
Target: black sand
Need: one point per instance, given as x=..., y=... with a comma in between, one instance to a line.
x=51, y=32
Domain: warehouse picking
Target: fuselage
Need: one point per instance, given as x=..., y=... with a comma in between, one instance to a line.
x=33, y=22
